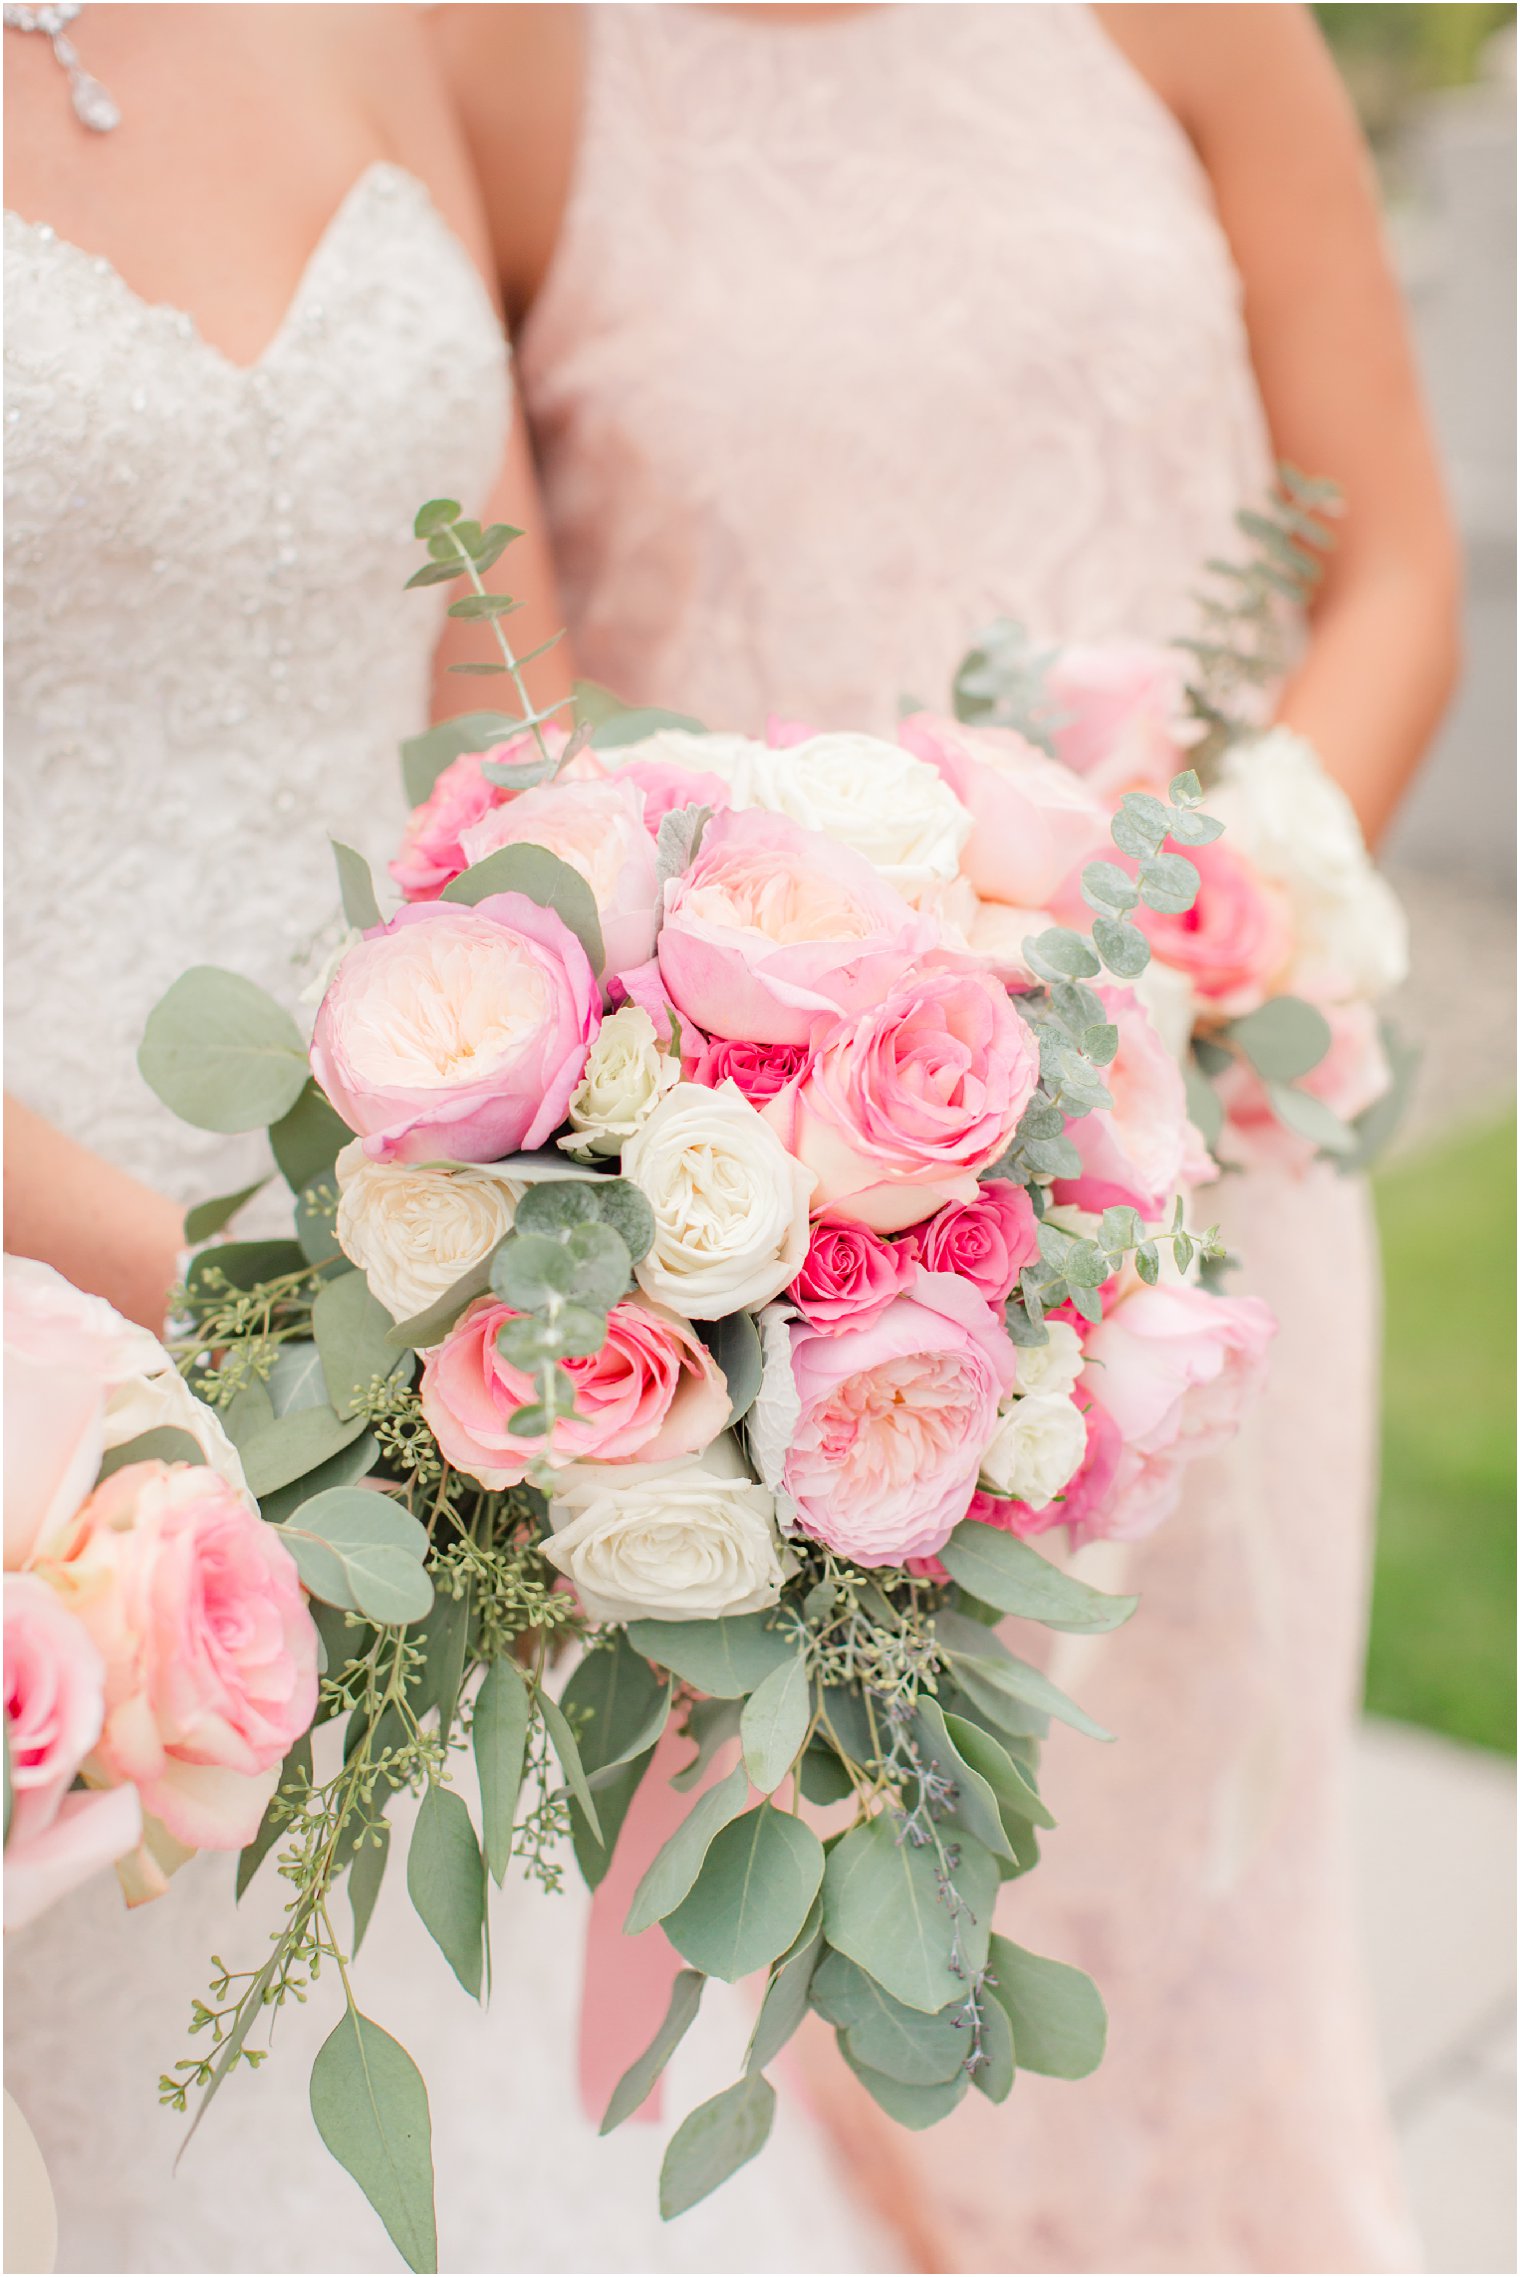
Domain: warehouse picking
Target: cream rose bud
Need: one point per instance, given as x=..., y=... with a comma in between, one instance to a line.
x=1038, y=1448
x=730, y=1204
x=1052, y=1367
x=887, y=804
x=414, y=1229
x=627, y=1075
x=682, y=1541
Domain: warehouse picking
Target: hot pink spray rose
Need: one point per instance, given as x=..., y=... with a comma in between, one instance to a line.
x=774, y=925
x=988, y=1240
x=1137, y=1150
x=54, y=1706
x=1032, y=820
x=197, y=1610
x=849, y=1275
x=904, y=1104
x=892, y=1421
x=653, y=1391
x=761, y=1071
x=1118, y=711
x=1175, y=1369
x=457, y=1032
x=432, y=849
x=598, y=829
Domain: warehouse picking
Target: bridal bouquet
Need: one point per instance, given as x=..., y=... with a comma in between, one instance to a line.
x=1267, y=984
x=707, y=1276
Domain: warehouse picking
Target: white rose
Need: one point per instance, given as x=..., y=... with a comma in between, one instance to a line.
x=1053, y=1367
x=1038, y=1448
x=730, y=1204
x=1286, y=815
x=627, y=1075
x=683, y=1541
x=414, y=1229
x=733, y=757
x=895, y=809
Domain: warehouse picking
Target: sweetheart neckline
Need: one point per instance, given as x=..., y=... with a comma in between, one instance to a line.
x=368, y=179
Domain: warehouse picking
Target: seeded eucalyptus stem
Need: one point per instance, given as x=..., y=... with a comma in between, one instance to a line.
x=532, y=718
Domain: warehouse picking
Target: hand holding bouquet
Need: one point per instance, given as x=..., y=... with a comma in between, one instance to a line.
x=724, y=1235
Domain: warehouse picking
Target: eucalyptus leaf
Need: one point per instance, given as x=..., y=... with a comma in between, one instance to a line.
x=882, y=1907
x=352, y=1329
x=991, y=1668
x=1122, y=946
x=914, y=2107
x=1168, y=883
x=162, y=1444
x=709, y=1723
x=786, y=1994
x=631, y=725
x=286, y=1449
x=436, y=515
x=295, y=1775
x=1283, y=1038
x=721, y=1658
x=673, y=1870
x=357, y=887
x=917, y=2049
x=296, y=1379
x=678, y=840
x=503, y=1713
x=562, y=1740
x=1009, y=1781
x=975, y=1806
x=208, y=1218
x=714, y=2141
x=424, y=757
x=1057, y=2014
x=351, y=1462
x=446, y=1881
x=734, y=1343
x=638, y=2081
x=1204, y=1105
x=365, y=1875
x=361, y=1551
x=620, y=1707
x=994, y=2076
x=774, y=1724
x=425, y=1329
x=1003, y=1571
x=220, y=1052
x=1310, y=1119
x=308, y=1139
x=371, y=2110
x=751, y=1896
x=542, y=877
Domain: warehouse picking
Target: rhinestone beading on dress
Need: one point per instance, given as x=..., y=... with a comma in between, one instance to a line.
x=203, y=581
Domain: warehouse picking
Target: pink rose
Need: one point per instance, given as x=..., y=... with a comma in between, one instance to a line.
x=598, y=829
x=1119, y=714
x=54, y=1707
x=1175, y=1370
x=1032, y=821
x=457, y=1032
x=1234, y=941
x=760, y=1070
x=988, y=1241
x=1351, y=1077
x=666, y=787
x=849, y=1275
x=785, y=734
x=1135, y=1151
x=893, y=1419
x=653, y=1391
x=432, y=850
x=197, y=1610
x=904, y=1104
x=774, y=925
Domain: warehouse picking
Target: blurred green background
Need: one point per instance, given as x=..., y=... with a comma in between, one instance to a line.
x=1443, y=1616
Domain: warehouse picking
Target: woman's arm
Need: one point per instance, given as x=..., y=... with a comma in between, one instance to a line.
x=1255, y=89
x=100, y=1228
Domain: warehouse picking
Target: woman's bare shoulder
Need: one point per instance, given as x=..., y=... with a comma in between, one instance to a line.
x=1208, y=62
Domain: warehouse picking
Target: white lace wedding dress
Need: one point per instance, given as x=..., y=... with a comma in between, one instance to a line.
x=210, y=661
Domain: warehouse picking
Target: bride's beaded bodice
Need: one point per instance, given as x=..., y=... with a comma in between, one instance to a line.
x=865, y=328
x=209, y=655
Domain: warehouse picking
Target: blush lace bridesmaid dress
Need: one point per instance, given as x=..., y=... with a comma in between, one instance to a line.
x=863, y=328
x=209, y=663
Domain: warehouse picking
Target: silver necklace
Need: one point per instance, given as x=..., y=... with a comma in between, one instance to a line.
x=93, y=107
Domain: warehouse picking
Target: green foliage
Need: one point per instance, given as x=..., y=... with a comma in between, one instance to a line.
x=1000, y=682
x=884, y=1906
x=1443, y=1632
x=638, y=2081
x=307, y=1140
x=714, y=2141
x=357, y=888
x=539, y=876
x=446, y=1881
x=220, y=1052
x=371, y=2110
x=503, y=1715
x=787, y=1992
x=1000, y=1570
x=721, y=1658
x=163, y=1444
x=1059, y=2025
x=208, y=1218
x=670, y=1875
x=361, y=1552
x=774, y=1724
x=352, y=1332
x=751, y=1895
x=916, y=2049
